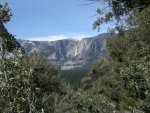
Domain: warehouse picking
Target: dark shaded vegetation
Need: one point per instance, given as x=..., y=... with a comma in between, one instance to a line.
x=119, y=83
x=74, y=76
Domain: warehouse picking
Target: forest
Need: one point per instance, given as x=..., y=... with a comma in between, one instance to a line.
x=119, y=83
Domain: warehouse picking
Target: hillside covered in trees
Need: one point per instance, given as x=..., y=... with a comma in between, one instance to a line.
x=118, y=83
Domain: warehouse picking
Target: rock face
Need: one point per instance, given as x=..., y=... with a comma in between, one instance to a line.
x=68, y=53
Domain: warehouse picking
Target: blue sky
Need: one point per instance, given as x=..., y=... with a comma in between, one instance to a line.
x=52, y=19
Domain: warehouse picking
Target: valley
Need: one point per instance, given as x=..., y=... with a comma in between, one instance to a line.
x=69, y=54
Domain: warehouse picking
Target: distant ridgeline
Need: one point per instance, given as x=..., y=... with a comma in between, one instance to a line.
x=70, y=54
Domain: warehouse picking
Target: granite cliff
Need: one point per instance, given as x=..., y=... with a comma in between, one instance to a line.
x=70, y=53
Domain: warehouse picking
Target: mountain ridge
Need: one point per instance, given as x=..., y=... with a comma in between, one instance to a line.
x=69, y=53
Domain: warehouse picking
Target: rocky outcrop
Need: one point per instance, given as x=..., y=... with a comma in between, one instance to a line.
x=68, y=53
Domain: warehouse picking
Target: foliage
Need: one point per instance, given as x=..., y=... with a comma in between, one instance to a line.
x=118, y=11
x=119, y=83
x=27, y=84
x=14, y=85
x=5, y=13
x=14, y=78
x=45, y=83
x=85, y=102
x=74, y=76
x=124, y=76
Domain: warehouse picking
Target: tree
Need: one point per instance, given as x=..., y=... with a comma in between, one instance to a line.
x=28, y=84
x=5, y=13
x=45, y=83
x=14, y=76
x=124, y=76
x=119, y=11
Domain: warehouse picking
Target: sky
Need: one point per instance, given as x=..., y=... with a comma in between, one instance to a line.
x=52, y=19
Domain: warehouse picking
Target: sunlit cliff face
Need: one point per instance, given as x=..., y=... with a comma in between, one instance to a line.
x=68, y=53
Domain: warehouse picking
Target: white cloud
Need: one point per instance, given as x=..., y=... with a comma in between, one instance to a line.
x=58, y=37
